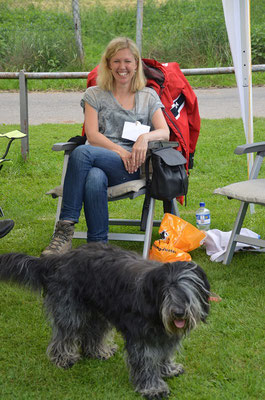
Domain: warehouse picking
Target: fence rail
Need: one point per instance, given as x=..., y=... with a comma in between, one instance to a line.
x=83, y=75
x=23, y=76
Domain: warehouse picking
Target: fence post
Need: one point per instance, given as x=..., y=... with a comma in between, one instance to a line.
x=139, y=24
x=24, y=118
x=77, y=26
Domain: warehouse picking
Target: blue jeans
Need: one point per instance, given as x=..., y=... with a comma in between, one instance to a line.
x=89, y=173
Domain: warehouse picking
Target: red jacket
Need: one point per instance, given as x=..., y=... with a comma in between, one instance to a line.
x=181, y=105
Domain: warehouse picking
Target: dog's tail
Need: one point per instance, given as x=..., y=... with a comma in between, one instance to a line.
x=25, y=270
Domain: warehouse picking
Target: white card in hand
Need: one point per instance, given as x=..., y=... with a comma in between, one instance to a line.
x=132, y=130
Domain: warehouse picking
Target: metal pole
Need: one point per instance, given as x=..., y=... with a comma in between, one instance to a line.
x=139, y=24
x=83, y=75
x=24, y=118
x=77, y=26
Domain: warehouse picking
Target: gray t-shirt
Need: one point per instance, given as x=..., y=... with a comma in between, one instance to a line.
x=111, y=115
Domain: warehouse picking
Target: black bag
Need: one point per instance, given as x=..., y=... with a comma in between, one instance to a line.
x=169, y=178
x=78, y=140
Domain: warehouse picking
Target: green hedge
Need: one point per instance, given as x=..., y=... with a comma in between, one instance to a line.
x=190, y=32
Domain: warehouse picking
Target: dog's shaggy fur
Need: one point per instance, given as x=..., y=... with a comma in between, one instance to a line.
x=96, y=287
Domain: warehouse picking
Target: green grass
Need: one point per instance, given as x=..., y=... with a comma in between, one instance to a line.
x=224, y=359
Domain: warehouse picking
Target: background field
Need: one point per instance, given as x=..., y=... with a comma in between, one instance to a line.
x=39, y=36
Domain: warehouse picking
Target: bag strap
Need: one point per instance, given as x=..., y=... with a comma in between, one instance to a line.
x=147, y=197
x=167, y=205
x=145, y=210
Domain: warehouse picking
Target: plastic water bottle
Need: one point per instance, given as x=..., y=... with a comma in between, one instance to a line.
x=203, y=218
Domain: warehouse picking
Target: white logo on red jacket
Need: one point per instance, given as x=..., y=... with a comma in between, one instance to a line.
x=177, y=105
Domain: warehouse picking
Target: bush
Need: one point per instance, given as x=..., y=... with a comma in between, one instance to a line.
x=193, y=33
x=36, y=41
x=258, y=45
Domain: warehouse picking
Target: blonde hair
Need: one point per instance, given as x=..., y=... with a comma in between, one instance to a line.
x=105, y=78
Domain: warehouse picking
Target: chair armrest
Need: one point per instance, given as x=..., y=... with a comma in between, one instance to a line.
x=250, y=148
x=154, y=144
x=67, y=146
x=159, y=144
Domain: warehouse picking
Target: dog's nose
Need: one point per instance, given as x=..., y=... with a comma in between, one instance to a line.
x=179, y=313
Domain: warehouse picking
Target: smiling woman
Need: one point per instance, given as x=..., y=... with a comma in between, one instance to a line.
x=123, y=67
x=121, y=50
x=109, y=159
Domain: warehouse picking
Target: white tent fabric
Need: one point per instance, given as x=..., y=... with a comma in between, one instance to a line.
x=237, y=19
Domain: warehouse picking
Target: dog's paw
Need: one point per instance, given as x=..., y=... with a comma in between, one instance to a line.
x=157, y=396
x=156, y=393
x=106, y=353
x=65, y=362
x=178, y=370
x=171, y=369
x=62, y=360
x=101, y=353
x=67, y=365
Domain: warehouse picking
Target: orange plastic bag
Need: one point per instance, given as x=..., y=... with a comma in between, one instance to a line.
x=178, y=237
x=182, y=234
x=164, y=251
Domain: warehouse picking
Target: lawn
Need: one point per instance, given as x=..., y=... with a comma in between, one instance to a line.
x=224, y=359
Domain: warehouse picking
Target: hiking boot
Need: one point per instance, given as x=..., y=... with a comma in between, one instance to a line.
x=62, y=239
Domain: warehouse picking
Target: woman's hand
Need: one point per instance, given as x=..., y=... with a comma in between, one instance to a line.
x=127, y=160
x=160, y=132
x=139, y=151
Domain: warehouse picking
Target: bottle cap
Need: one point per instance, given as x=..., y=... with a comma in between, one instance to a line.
x=202, y=204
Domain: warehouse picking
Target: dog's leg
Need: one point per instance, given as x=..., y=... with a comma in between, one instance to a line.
x=97, y=337
x=168, y=368
x=63, y=349
x=143, y=362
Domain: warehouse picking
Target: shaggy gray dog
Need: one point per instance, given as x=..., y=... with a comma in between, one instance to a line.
x=96, y=287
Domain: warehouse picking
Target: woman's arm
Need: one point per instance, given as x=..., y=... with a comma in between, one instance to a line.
x=160, y=132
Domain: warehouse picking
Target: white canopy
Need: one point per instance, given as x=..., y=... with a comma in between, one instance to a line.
x=237, y=19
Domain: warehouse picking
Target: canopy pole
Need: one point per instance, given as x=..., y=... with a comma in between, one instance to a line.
x=139, y=24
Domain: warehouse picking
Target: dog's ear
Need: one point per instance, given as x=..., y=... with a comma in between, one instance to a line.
x=200, y=272
x=196, y=277
x=150, y=292
x=204, y=293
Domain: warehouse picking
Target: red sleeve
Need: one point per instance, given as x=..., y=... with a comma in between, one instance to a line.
x=91, y=81
x=92, y=77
